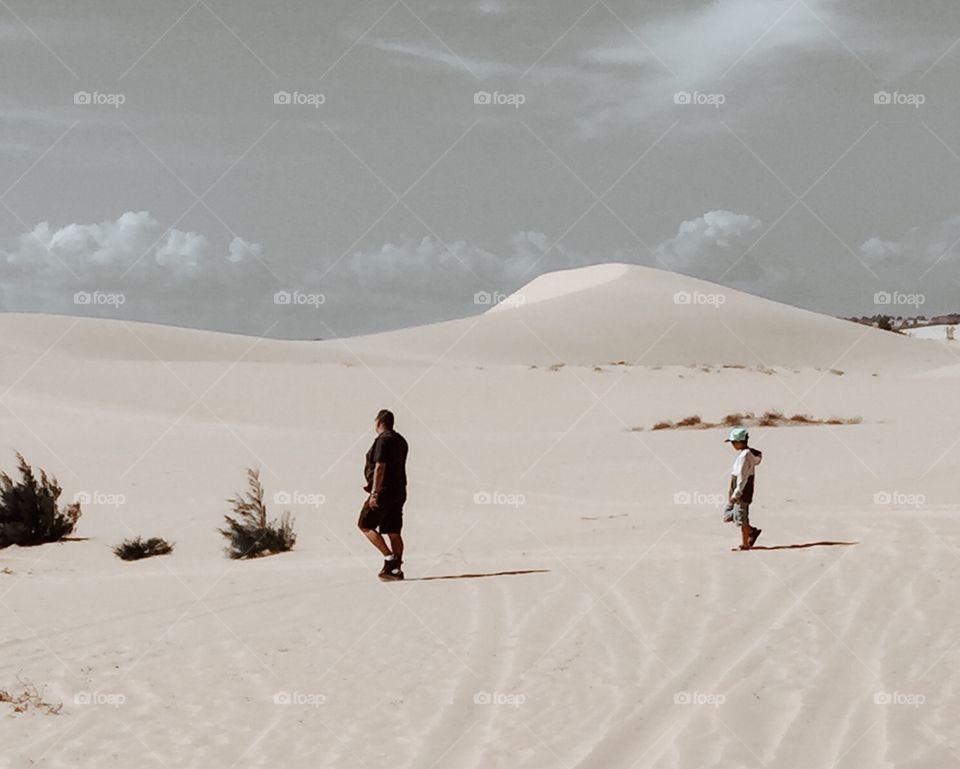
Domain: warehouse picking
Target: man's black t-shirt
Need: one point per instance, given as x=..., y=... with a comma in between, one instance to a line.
x=390, y=448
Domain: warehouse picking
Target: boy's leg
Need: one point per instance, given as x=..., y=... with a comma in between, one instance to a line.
x=741, y=517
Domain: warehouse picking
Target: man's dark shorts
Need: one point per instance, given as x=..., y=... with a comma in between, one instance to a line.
x=387, y=517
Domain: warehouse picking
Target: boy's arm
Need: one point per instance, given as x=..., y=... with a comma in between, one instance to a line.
x=740, y=473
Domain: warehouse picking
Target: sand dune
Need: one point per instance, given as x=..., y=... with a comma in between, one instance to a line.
x=640, y=315
x=591, y=616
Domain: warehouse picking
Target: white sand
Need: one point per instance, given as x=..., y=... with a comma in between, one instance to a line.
x=938, y=332
x=588, y=662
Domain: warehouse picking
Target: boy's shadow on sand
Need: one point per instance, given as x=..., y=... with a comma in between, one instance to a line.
x=804, y=545
x=478, y=576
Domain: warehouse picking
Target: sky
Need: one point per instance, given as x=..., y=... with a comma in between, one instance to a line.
x=316, y=170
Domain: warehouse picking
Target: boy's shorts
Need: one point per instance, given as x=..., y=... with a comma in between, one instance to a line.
x=738, y=513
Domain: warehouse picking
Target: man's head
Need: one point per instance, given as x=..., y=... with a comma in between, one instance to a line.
x=384, y=420
x=738, y=438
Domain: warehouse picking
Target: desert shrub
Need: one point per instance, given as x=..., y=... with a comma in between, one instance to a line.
x=29, y=697
x=801, y=419
x=736, y=420
x=29, y=513
x=770, y=419
x=248, y=531
x=137, y=548
x=662, y=426
x=689, y=422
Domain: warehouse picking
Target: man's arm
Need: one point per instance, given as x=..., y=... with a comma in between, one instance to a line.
x=379, y=473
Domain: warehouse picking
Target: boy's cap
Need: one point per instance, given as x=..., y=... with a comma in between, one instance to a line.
x=738, y=435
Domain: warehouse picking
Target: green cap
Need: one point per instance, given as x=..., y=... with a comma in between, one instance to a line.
x=738, y=435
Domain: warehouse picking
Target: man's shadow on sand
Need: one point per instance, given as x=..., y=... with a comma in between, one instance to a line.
x=804, y=545
x=480, y=575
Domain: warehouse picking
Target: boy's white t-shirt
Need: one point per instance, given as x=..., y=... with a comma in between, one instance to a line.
x=743, y=467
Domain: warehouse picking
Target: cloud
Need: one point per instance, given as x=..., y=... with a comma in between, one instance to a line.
x=700, y=45
x=241, y=250
x=183, y=253
x=491, y=7
x=420, y=266
x=917, y=250
x=481, y=68
x=81, y=249
x=89, y=251
x=132, y=255
x=183, y=277
x=708, y=239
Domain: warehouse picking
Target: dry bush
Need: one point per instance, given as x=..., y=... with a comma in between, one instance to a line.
x=767, y=419
x=770, y=419
x=29, y=697
x=138, y=548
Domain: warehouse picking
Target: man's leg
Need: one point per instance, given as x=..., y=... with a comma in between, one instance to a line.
x=396, y=544
x=745, y=532
x=377, y=541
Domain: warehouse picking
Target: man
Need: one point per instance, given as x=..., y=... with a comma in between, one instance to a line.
x=740, y=494
x=382, y=514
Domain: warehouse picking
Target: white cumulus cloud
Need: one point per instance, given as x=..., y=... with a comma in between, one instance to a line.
x=705, y=239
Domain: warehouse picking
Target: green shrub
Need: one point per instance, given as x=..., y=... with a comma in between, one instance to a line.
x=248, y=532
x=29, y=514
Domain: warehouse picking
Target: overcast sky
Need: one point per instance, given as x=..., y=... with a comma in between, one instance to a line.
x=388, y=196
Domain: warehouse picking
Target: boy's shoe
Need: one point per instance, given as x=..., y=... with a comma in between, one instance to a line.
x=391, y=570
x=754, y=534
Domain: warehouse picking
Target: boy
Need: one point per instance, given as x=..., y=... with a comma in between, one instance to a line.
x=740, y=494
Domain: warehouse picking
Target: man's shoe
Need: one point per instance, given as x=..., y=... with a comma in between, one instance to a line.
x=391, y=570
